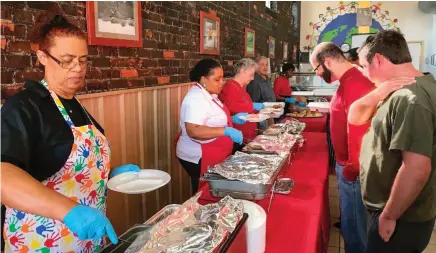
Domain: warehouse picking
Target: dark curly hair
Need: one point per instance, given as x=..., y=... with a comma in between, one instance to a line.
x=204, y=68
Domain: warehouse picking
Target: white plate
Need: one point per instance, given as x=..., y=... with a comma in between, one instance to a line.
x=320, y=106
x=271, y=104
x=262, y=117
x=139, y=182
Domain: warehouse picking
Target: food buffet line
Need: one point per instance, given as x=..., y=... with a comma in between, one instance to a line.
x=283, y=170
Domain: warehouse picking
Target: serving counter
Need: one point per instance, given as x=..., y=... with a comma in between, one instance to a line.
x=298, y=222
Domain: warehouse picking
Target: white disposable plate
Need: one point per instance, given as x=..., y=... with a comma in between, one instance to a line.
x=139, y=182
x=262, y=117
x=271, y=104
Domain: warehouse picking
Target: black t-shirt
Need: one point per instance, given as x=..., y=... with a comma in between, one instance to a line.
x=34, y=135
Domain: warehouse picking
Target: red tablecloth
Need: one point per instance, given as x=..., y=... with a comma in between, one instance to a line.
x=313, y=124
x=299, y=222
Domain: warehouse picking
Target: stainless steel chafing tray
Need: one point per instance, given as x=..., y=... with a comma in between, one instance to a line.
x=221, y=187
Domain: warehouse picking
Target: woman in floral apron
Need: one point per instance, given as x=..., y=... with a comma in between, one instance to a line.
x=55, y=158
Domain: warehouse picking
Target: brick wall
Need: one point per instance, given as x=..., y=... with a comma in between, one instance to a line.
x=170, y=42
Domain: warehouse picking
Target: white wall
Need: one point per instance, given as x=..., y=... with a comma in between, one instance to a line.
x=430, y=47
x=412, y=22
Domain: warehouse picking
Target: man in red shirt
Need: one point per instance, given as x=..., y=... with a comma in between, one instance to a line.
x=330, y=64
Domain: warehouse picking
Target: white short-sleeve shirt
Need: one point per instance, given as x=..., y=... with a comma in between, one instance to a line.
x=198, y=108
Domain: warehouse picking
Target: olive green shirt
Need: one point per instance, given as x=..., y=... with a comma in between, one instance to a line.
x=405, y=121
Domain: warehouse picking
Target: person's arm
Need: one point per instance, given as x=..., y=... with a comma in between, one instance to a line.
x=412, y=135
x=409, y=182
x=22, y=192
x=253, y=88
x=231, y=97
x=199, y=132
x=355, y=133
x=363, y=109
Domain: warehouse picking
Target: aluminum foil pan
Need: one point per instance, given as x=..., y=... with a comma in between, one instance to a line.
x=248, y=168
x=194, y=228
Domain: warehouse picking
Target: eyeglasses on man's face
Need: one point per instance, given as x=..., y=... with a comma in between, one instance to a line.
x=83, y=62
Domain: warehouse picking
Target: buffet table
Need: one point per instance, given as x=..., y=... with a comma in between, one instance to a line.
x=313, y=124
x=298, y=222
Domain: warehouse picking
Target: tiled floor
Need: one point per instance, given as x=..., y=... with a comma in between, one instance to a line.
x=336, y=243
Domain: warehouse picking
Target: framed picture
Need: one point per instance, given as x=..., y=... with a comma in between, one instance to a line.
x=250, y=37
x=209, y=34
x=271, y=47
x=114, y=23
x=285, y=50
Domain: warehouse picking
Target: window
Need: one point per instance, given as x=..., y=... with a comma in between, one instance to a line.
x=295, y=19
x=271, y=5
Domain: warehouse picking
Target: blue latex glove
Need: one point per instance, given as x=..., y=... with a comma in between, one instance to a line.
x=89, y=223
x=234, y=134
x=124, y=168
x=291, y=100
x=237, y=120
x=302, y=104
x=258, y=106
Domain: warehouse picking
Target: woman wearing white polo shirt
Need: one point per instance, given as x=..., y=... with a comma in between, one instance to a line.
x=207, y=134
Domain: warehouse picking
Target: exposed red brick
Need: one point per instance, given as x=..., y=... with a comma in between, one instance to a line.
x=7, y=77
x=34, y=47
x=163, y=79
x=8, y=91
x=3, y=45
x=15, y=61
x=145, y=72
x=34, y=75
x=148, y=33
x=19, y=46
x=8, y=25
x=168, y=54
x=126, y=73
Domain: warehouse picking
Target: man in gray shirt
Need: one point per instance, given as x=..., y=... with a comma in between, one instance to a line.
x=261, y=89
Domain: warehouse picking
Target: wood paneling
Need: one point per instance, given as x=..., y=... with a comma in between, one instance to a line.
x=141, y=126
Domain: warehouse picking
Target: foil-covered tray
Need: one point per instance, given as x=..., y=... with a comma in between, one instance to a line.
x=220, y=186
x=162, y=214
x=126, y=239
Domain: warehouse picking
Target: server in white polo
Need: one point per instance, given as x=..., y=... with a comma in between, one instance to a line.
x=207, y=134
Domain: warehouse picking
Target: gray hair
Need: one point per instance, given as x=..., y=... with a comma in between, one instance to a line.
x=244, y=63
x=258, y=59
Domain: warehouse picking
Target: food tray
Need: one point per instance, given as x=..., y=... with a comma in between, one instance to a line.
x=126, y=239
x=221, y=187
x=298, y=117
x=260, y=118
x=162, y=214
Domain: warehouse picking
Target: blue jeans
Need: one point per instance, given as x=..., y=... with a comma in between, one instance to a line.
x=353, y=214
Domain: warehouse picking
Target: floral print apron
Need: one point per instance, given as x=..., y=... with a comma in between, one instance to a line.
x=83, y=179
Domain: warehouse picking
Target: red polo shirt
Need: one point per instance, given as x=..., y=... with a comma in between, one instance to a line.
x=238, y=100
x=347, y=138
x=282, y=87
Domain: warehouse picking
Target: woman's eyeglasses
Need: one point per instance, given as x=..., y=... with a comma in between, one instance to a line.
x=84, y=63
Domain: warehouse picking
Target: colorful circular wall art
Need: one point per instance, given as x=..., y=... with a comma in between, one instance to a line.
x=338, y=24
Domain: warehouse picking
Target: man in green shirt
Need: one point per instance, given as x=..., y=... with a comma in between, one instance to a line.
x=397, y=171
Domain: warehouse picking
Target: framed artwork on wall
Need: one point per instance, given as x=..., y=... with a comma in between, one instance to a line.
x=112, y=23
x=271, y=47
x=285, y=51
x=250, y=38
x=209, y=33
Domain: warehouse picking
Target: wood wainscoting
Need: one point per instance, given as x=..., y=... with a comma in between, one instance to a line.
x=141, y=125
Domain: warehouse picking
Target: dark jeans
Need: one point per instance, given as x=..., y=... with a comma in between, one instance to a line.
x=408, y=237
x=193, y=170
x=353, y=213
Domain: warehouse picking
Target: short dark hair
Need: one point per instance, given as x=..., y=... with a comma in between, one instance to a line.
x=52, y=25
x=354, y=56
x=287, y=67
x=329, y=50
x=389, y=43
x=204, y=68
